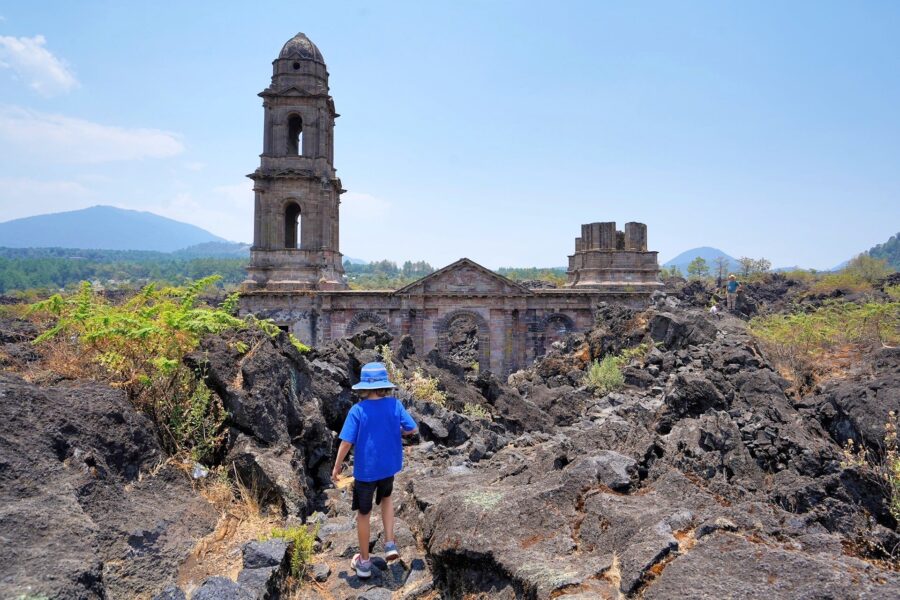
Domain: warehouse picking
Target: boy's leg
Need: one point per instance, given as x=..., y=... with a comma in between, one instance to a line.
x=387, y=518
x=363, y=492
x=362, y=530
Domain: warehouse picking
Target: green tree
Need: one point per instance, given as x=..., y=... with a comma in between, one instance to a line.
x=721, y=267
x=747, y=265
x=761, y=265
x=867, y=268
x=698, y=268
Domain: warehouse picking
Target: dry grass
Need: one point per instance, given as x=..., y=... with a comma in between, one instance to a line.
x=613, y=575
x=60, y=357
x=242, y=519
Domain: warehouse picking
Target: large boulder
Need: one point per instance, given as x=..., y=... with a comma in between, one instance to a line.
x=91, y=513
x=682, y=330
x=280, y=439
x=858, y=408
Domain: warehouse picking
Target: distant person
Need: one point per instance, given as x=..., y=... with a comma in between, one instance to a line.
x=731, y=291
x=374, y=427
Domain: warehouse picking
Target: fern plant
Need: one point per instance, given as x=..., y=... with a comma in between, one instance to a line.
x=139, y=345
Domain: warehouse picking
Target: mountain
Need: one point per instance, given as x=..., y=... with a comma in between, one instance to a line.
x=103, y=227
x=706, y=253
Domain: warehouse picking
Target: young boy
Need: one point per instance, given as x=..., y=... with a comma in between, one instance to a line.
x=374, y=426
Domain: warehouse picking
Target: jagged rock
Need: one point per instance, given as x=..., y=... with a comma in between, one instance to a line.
x=170, y=593
x=680, y=331
x=370, y=338
x=222, y=588
x=281, y=439
x=612, y=469
x=748, y=570
x=276, y=473
x=857, y=408
x=321, y=572
x=693, y=395
x=407, y=348
x=261, y=389
x=67, y=454
x=270, y=553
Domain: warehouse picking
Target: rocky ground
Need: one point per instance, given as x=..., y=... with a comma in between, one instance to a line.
x=704, y=477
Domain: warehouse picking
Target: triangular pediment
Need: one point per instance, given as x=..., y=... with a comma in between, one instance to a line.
x=291, y=91
x=465, y=277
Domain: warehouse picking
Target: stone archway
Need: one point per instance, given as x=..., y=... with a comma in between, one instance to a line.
x=552, y=328
x=363, y=318
x=464, y=336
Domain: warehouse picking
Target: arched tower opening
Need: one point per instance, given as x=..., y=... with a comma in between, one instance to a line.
x=292, y=226
x=295, y=136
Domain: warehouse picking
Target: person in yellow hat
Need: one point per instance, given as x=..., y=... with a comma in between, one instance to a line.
x=732, y=287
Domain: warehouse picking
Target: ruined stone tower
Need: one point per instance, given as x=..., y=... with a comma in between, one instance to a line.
x=607, y=258
x=297, y=191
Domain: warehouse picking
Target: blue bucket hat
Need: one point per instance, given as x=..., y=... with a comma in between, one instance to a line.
x=373, y=376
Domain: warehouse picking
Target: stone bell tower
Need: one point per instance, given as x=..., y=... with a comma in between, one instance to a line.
x=297, y=191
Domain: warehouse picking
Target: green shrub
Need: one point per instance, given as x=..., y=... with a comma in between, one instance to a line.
x=639, y=352
x=300, y=346
x=801, y=341
x=476, y=411
x=302, y=541
x=605, y=376
x=139, y=345
x=425, y=388
x=418, y=385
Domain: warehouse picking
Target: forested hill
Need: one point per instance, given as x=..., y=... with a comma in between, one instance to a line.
x=889, y=251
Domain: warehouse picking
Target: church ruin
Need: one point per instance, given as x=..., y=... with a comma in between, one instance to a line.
x=296, y=275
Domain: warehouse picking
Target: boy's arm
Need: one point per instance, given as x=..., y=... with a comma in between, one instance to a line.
x=408, y=425
x=343, y=449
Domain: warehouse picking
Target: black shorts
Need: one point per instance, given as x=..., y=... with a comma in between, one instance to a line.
x=364, y=490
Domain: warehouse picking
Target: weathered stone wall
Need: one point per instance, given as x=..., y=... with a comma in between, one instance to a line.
x=513, y=330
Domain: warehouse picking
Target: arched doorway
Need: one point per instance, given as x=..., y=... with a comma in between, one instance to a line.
x=554, y=328
x=464, y=337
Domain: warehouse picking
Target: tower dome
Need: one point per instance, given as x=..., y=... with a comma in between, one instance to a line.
x=301, y=47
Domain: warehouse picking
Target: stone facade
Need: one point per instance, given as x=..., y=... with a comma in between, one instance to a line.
x=296, y=275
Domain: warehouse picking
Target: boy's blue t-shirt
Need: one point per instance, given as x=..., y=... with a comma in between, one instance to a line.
x=733, y=286
x=373, y=427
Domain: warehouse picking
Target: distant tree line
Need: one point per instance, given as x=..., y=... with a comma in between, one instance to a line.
x=384, y=274
x=699, y=268
x=56, y=268
x=555, y=275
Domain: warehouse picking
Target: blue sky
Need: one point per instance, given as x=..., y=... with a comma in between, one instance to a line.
x=483, y=129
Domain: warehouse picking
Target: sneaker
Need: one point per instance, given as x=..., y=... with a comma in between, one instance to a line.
x=363, y=567
x=391, y=552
